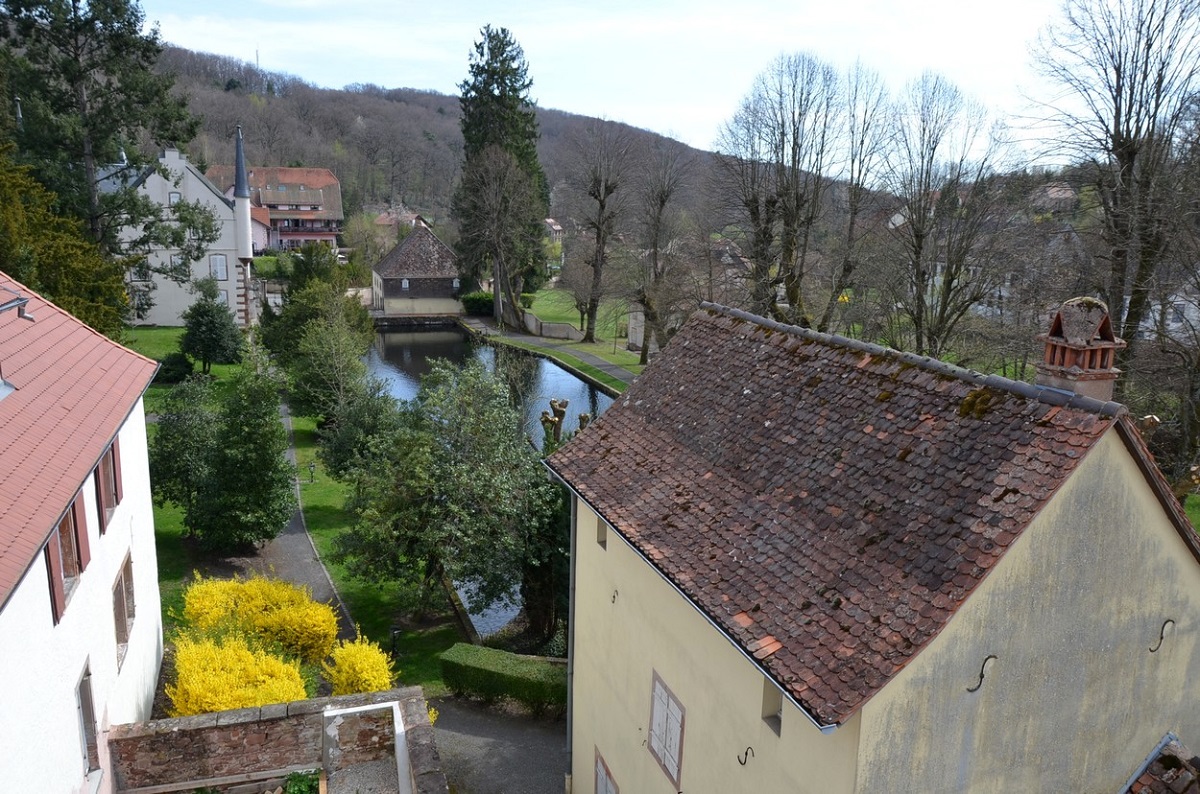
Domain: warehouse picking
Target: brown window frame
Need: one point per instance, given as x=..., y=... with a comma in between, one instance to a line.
x=108, y=484
x=67, y=555
x=124, y=609
x=654, y=740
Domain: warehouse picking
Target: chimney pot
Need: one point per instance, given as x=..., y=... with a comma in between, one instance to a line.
x=1080, y=350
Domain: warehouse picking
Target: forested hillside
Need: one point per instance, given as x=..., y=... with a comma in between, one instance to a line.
x=387, y=146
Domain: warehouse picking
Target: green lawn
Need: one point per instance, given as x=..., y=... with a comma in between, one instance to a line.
x=376, y=608
x=557, y=306
x=157, y=343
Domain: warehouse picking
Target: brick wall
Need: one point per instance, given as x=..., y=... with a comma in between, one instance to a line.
x=259, y=743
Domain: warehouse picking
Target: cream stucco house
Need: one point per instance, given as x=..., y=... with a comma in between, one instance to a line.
x=805, y=563
x=80, y=626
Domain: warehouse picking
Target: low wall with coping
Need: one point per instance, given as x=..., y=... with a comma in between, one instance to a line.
x=228, y=749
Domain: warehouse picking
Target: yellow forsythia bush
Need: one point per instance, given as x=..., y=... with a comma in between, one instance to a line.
x=213, y=675
x=358, y=666
x=277, y=611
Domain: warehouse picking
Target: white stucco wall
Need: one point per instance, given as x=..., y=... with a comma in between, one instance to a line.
x=1074, y=700
x=630, y=623
x=41, y=663
x=172, y=299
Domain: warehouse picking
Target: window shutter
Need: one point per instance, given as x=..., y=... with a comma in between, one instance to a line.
x=101, y=512
x=58, y=592
x=658, y=719
x=116, y=457
x=81, y=535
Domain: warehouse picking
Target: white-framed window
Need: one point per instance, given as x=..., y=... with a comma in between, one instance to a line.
x=223, y=294
x=176, y=262
x=666, y=730
x=124, y=609
x=404, y=284
x=604, y=779
x=217, y=267
x=456, y=283
x=173, y=198
x=86, y=709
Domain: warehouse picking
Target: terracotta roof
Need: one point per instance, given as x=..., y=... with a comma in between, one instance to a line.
x=828, y=503
x=1171, y=769
x=74, y=388
x=419, y=255
x=260, y=215
x=286, y=181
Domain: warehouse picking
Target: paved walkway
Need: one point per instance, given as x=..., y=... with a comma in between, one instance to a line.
x=487, y=327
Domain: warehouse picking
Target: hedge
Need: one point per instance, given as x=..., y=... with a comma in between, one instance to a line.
x=478, y=304
x=491, y=674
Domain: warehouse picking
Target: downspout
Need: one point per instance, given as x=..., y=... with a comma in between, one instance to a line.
x=571, y=634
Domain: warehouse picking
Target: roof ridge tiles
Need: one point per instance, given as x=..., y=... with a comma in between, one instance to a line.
x=1031, y=391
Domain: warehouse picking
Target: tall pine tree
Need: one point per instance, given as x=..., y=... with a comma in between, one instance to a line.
x=84, y=72
x=502, y=201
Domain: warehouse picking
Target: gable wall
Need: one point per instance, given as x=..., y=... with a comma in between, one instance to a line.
x=41, y=663
x=630, y=624
x=172, y=299
x=1071, y=612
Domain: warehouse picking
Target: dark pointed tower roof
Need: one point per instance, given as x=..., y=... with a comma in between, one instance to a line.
x=241, y=185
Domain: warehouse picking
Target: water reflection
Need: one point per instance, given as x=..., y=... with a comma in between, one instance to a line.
x=401, y=358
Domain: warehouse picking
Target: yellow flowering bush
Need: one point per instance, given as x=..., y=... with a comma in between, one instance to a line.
x=277, y=611
x=212, y=675
x=358, y=666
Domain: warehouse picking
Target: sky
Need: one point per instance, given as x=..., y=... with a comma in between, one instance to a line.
x=679, y=68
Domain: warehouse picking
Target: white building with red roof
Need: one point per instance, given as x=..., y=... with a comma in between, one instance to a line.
x=80, y=623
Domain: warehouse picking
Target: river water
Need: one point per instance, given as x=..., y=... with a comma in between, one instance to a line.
x=401, y=358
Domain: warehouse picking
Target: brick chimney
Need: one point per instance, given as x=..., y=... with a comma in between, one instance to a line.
x=1081, y=350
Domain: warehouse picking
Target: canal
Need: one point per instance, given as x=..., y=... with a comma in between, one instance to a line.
x=401, y=358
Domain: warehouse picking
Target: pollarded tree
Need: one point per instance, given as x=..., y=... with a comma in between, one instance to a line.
x=210, y=332
x=1130, y=72
x=85, y=73
x=247, y=493
x=498, y=124
x=939, y=167
x=604, y=156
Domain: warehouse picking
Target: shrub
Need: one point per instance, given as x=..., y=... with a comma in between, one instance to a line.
x=277, y=612
x=478, y=304
x=492, y=674
x=176, y=368
x=212, y=675
x=527, y=299
x=358, y=666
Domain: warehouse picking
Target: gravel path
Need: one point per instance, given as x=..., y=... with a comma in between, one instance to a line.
x=487, y=751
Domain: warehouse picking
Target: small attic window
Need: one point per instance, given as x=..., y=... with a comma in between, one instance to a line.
x=6, y=388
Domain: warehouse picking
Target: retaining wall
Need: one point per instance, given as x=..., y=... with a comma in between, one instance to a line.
x=231, y=748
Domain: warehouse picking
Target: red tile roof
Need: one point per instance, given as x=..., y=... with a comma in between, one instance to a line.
x=74, y=388
x=828, y=503
x=1171, y=769
x=285, y=179
x=419, y=255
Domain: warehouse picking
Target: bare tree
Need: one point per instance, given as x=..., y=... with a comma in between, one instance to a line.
x=1128, y=71
x=777, y=149
x=604, y=156
x=939, y=170
x=864, y=138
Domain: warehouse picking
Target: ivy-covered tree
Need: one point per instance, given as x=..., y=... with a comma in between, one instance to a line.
x=91, y=99
x=50, y=254
x=210, y=332
x=500, y=134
